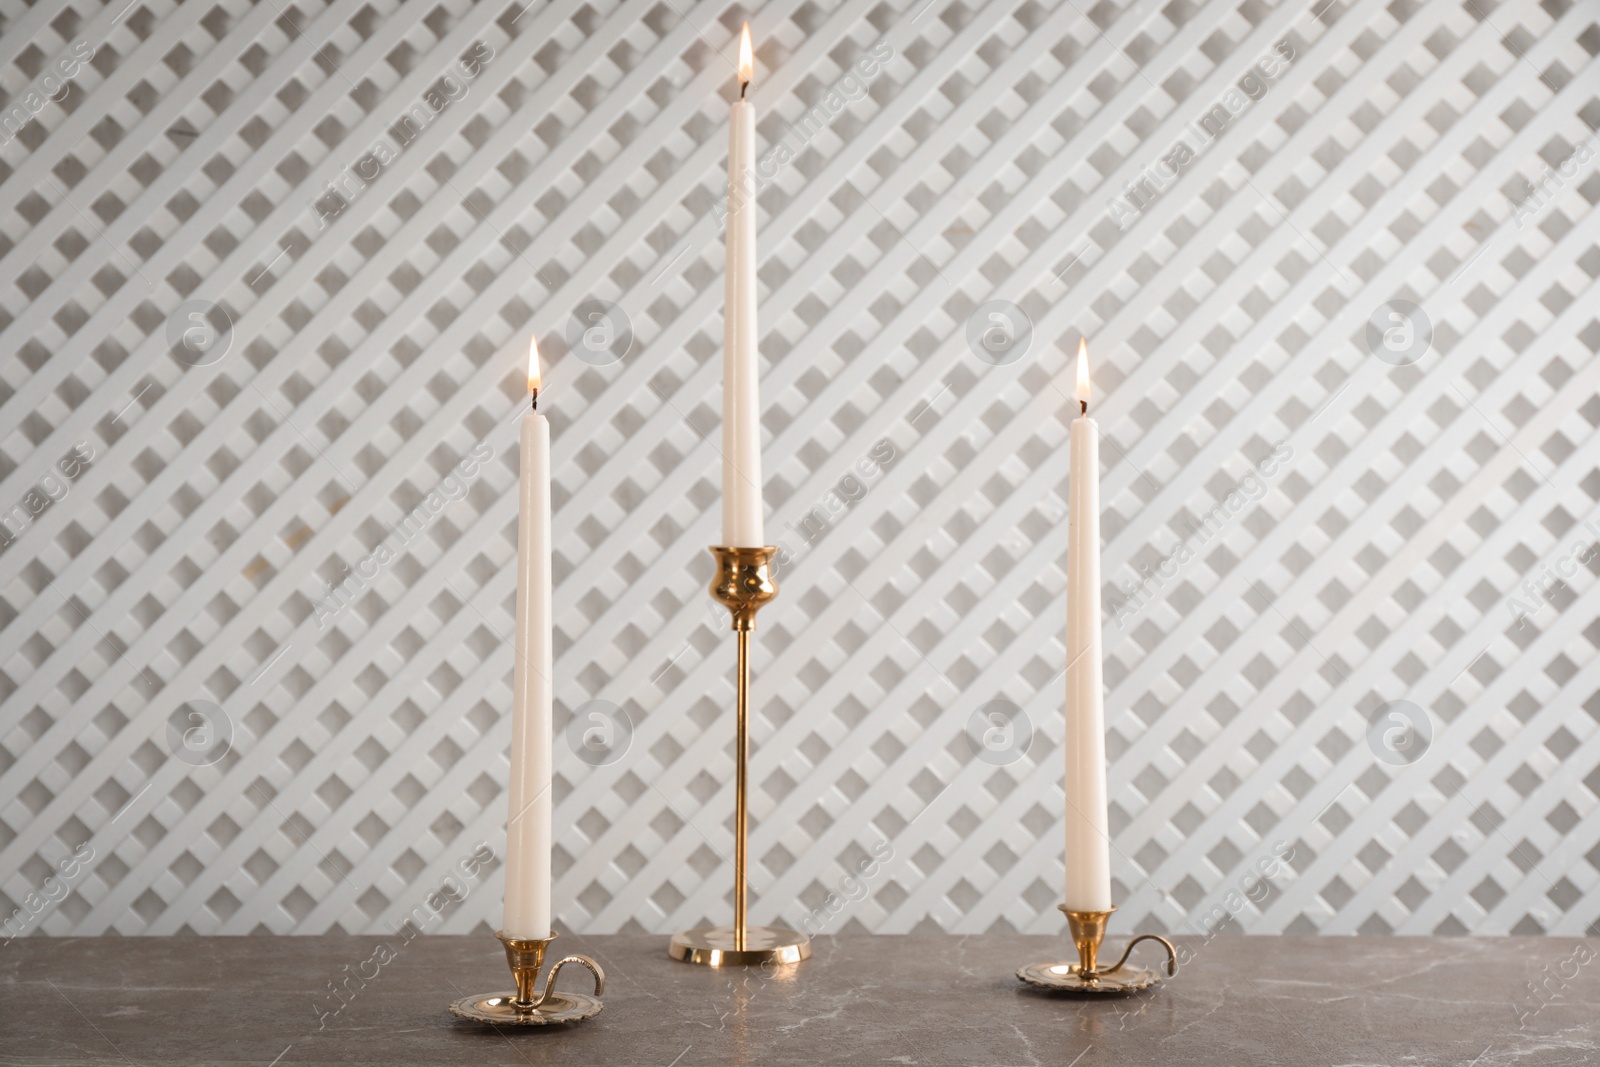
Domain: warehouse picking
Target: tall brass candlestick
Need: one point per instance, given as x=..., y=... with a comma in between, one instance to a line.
x=743, y=584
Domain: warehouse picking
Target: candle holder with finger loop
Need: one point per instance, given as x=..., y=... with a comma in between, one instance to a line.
x=1088, y=929
x=743, y=584
x=529, y=1005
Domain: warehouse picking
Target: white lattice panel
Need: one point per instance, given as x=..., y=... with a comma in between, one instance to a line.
x=270, y=271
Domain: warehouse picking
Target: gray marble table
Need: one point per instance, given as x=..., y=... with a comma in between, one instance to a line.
x=1327, y=1002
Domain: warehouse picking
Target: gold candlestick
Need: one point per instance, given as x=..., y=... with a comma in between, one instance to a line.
x=528, y=1005
x=1088, y=929
x=743, y=585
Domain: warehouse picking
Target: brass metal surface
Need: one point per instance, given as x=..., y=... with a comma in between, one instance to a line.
x=502, y=1009
x=528, y=1005
x=743, y=584
x=1064, y=977
x=717, y=946
x=1088, y=930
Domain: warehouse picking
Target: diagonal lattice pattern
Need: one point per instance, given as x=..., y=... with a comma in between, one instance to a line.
x=364, y=208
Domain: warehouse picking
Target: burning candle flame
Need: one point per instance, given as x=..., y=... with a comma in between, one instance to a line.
x=1083, y=371
x=747, y=62
x=533, y=365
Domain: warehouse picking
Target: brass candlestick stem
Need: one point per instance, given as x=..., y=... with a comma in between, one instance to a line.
x=743, y=584
x=528, y=1005
x=1088, y=929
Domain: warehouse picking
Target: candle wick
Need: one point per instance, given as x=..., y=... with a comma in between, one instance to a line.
x=742, y=87
x=533, y=396
x=1083, y=407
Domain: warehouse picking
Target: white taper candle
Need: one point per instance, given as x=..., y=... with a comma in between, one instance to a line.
x=1088, y=844
x=742, y=523
x=527, y=906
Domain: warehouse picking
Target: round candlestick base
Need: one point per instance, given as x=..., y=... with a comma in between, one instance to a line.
x=501, y=1009
x=1064, y=977
x=716, y=946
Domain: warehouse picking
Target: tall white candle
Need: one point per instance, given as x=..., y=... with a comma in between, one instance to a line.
x=742, y=525
x=527, y=909
x=1088, y=844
